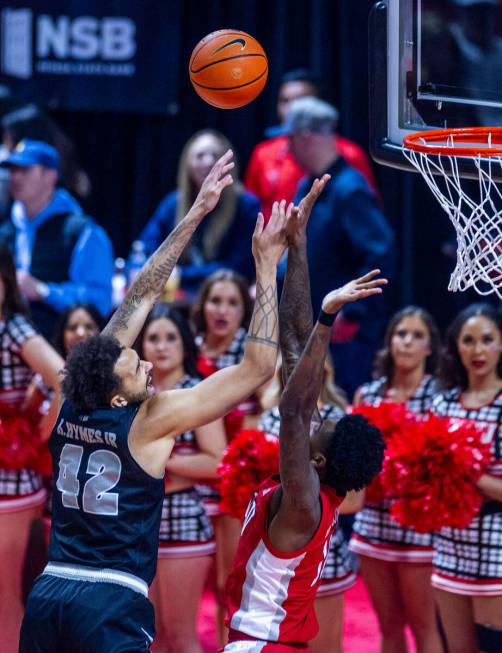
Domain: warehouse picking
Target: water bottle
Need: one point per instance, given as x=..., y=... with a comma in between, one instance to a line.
x=119, y=282
x=137, y=258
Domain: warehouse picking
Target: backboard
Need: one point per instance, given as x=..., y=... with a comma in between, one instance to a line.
x=433, y=64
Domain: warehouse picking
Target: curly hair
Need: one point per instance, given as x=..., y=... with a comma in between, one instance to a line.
x=453, y=373
x=354, y=453
x=90, y=381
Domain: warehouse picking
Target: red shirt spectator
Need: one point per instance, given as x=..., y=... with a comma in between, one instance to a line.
x=274, y=174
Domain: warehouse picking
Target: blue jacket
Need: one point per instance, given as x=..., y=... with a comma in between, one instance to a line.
x=347, y=236
x=233, y=252
x=91, y=266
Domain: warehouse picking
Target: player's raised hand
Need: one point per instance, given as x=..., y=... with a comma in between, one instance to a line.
x=367, y=285
x=269, y=242
x=217, y=179
x=298, y=220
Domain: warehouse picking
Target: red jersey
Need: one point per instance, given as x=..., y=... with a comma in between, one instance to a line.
x=273, y=173
x=270, y=594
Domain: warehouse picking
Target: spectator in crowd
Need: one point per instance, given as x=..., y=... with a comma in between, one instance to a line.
x=224, y=238
x=62, y=256
x=347, y=236
x=272, y=171
x=29, y=121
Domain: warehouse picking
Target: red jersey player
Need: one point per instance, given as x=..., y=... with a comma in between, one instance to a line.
x=289, y=522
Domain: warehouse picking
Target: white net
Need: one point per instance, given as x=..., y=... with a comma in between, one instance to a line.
x=475, y=209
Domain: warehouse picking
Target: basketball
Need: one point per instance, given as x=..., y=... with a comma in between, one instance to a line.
x=228, y=68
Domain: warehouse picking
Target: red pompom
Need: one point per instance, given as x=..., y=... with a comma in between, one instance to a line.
x=234, y=421
x=251, y=458
x=206, y=366
x=19, y=443
x=389, y=418
x=431, y=468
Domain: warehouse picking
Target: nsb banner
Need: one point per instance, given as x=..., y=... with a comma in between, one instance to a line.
x=97, y=55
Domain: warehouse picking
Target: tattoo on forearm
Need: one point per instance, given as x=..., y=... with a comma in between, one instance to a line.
x=153, y=276
x=295, y=310
x=264, y=322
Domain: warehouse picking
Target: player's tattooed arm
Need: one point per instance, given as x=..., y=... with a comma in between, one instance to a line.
x=300, y=482
x=182, y=410
x=268, y=247
x=128, y=319
x=295, y=310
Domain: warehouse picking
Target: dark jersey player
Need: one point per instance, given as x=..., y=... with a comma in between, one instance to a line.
x=288, y=525
x=110, y=445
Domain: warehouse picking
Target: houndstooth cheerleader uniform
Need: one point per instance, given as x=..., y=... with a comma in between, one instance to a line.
x=185, y=528
x=340, y=569
x=376, y=534
x=234, y=419
x=468, y=560
x=19, y=489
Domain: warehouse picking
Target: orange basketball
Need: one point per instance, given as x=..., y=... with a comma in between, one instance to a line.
x=228, y=68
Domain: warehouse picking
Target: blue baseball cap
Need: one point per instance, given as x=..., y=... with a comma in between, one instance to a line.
x=31, y=153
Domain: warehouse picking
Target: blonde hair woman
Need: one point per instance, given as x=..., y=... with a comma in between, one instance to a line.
x=224, y=238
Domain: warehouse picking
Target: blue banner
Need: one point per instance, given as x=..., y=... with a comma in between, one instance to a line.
x=92, y=55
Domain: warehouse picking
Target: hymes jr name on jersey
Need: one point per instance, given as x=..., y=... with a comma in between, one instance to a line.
x=85, y=434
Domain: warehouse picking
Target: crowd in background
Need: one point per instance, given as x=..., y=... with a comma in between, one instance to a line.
x=59, y=281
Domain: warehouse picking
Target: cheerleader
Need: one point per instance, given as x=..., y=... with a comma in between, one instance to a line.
x=187, y=541
x=23, y=352
x=468, y=562
x=396, y=561
x=220, y=316
x=340, y=570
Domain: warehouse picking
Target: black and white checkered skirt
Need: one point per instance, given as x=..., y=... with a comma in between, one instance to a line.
x=340, y=570
x=185, y=528
x=211, y=498
x=20, y=489
x=468, y=561
x=377, y=535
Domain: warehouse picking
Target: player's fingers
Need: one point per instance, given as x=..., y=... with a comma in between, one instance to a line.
x=223, y=160
x=227, y=168
x=226, y=181
x=375, y=283
x=368, y=276
x=260, y=221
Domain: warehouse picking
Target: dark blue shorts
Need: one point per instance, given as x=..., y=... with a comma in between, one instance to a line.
x=74, y=616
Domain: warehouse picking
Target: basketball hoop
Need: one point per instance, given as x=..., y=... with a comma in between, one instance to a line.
x=476, y=216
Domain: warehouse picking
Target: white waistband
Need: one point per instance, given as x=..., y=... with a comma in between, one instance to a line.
x=92, y=575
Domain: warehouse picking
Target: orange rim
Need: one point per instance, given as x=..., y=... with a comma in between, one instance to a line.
x=485, y=141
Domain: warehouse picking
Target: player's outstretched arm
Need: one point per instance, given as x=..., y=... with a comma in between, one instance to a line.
x=295, y=308
x=128, y=319
x=299, y=508
x=181, y=410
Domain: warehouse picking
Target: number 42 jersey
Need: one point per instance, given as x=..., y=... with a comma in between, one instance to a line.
x=105, y=508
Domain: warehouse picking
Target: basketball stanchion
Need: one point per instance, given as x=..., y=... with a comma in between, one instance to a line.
x=476, y=213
